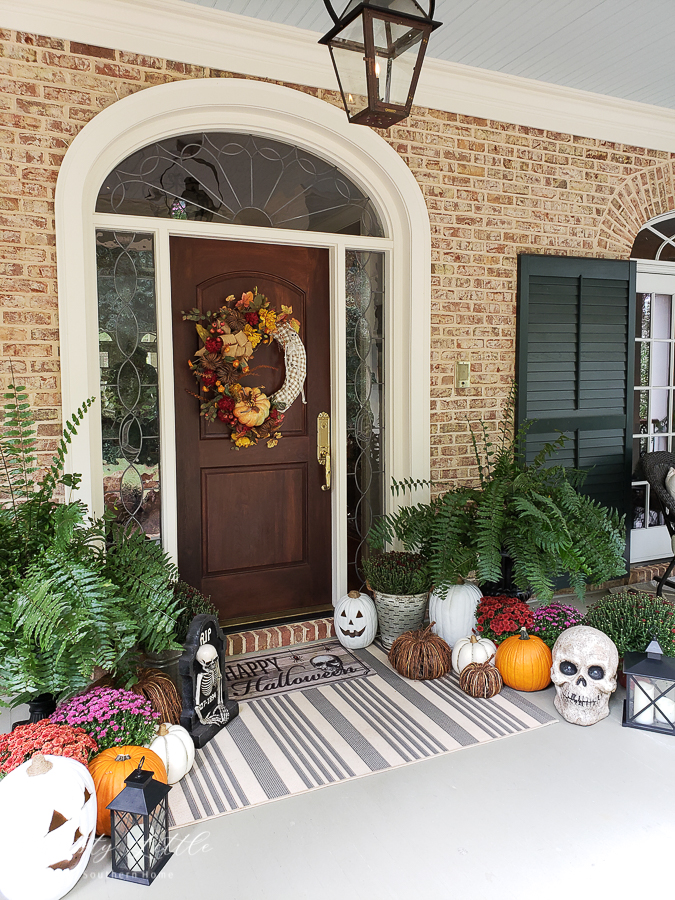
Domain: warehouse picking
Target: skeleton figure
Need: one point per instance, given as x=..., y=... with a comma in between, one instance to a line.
x=208, y=682
x=327, y=663
x=584, y=674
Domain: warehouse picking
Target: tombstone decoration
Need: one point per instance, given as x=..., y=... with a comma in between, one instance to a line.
x=206, y=707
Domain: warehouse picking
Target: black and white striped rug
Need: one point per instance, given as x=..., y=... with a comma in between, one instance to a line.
x=306, y=739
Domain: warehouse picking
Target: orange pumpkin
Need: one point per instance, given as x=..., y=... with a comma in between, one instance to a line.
x=524, y=662
x=253, y=407
x=110, y=768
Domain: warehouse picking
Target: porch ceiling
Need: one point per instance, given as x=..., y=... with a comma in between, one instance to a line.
x=621, y=48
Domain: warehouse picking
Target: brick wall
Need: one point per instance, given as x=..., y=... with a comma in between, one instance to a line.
x=493, y=190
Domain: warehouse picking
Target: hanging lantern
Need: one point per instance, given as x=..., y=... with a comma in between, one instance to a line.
x=139, y=828
x=377, y=48
x=650, y=690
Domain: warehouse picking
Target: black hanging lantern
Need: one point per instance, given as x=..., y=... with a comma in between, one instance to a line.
x=139, y=828
x=650, y=690
x=377, y=48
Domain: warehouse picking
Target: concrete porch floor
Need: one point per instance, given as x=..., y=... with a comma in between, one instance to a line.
x=559, y=812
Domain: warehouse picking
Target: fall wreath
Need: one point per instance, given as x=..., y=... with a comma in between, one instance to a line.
x=229, y=337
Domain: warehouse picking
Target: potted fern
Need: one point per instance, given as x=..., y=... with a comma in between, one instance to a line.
x=77, y=597
x=529, y=517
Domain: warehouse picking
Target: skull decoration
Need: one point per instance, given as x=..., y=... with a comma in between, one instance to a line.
x=209, y=688
x=328, y=664
x=584, y=674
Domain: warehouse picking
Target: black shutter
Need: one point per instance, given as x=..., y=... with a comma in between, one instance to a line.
x=575, y=360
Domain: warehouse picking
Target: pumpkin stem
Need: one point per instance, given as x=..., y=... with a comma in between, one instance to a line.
x=474, y=639
x=354, y=595
x=524, y=636
x=122, y=757
x=163, y=730
x=39, y=765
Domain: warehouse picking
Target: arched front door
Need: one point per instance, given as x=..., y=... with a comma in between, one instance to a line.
x=377, y=430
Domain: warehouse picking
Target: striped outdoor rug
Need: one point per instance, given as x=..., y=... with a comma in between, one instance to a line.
x=306, y=739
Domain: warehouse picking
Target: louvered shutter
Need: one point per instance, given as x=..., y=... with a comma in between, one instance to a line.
x=575, y=360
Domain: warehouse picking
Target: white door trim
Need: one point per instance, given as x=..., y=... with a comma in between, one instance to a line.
x=282, y=114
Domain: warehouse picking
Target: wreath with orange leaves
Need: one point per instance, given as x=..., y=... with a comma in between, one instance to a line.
x=229, y=338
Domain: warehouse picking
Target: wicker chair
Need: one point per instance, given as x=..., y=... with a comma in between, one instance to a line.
x=655, y=467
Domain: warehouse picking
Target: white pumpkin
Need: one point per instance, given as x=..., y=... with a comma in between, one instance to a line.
x=355, y=620
x=47, y=827
x=471, y=650
x=176, y=749
x=454, y=613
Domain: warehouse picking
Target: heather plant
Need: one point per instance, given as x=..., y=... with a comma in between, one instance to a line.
x=551, y=620
x=632, y=619
x=113, y=717
x=397, y=572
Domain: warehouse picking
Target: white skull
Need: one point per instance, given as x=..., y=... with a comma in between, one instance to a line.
x=206, y=656
x=584, y=674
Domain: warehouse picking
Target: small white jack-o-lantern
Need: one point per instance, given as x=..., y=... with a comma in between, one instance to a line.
x=355, y=621
x=47, y=827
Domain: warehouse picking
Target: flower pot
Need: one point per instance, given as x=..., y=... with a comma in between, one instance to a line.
x=40, y=708
x=165, y=662
x=398, y=614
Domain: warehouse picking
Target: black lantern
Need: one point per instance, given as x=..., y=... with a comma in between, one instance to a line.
x=377, y=48
x=139, y=828
x=650, y=690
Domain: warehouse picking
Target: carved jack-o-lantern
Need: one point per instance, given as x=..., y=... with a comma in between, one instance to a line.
x=355, y=620
x=47, y=827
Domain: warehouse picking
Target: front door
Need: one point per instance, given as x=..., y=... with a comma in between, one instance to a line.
x=254, y=525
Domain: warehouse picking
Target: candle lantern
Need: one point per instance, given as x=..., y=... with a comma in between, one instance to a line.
x=139, y=828
x=377, y=48
x=650, y=690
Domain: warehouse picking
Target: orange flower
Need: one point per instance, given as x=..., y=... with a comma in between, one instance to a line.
x=246, y=300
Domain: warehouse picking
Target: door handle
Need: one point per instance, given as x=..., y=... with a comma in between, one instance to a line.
x=323, y=446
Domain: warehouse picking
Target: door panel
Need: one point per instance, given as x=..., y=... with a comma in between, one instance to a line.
x=254, y=527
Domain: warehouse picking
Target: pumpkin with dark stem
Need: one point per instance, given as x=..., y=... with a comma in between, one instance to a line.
x=355, y=620
x=525, y=662
x=111, y=767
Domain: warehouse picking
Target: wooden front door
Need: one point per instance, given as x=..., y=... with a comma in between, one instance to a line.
x=254, y=525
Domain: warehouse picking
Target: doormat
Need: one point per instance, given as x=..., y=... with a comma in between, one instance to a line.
x=294, y=668
x=334, y=731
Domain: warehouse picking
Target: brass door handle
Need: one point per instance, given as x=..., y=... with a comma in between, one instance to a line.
x=323, y=446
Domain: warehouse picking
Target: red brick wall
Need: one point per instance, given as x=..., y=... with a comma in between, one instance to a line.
x=493, y=190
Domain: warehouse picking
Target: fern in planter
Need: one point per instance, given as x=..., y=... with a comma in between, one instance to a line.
x=69, y=606
x=535, y=513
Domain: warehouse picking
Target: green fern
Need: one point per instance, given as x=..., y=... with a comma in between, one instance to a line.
x=69, y=603
x=535, y=513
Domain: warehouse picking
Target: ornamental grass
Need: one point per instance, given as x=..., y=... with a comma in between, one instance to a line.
x=112, y=716
x=397, y=572
x=632, y=619
x=551, y=620
x=44, y=737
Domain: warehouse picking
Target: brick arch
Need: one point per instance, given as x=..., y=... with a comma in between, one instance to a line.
x=639, y=198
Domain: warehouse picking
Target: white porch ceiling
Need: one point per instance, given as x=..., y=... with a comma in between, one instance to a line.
x=621, y=48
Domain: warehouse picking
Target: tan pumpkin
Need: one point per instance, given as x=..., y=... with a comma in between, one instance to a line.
x=253, y=407
x=525, y=662
x=481, y=680
x=111, y=767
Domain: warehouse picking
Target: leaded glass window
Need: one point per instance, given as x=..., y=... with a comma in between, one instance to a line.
x=365, y=402
x=238, y=179
x=128, y=363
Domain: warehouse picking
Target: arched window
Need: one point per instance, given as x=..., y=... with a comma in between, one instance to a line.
x=238, y=179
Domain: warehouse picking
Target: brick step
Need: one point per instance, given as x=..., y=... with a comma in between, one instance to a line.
x=280, y=636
